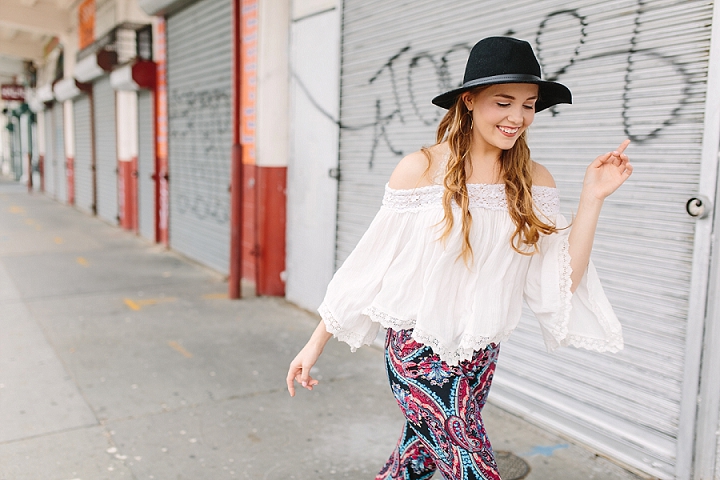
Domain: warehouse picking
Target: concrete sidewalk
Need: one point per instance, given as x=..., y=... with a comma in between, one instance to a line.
x=119, y=359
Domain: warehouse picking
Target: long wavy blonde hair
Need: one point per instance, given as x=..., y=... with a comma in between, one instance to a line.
x=516, y=172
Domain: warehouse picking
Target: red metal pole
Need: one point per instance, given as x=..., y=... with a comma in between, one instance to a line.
x=236, y=167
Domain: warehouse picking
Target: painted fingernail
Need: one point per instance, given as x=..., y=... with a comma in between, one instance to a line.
x=304, y=384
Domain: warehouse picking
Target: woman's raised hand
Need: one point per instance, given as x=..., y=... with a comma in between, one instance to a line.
x=607, y=172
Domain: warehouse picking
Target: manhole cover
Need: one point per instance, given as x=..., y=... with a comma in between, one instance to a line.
x=510, y=466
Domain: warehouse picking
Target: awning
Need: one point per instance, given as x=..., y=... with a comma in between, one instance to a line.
x=95, y=66
x=68, y=88
x=137, y=75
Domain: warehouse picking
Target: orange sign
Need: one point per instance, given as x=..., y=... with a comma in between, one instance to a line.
x=162, y=193
x=86, y=23
x=248, y=78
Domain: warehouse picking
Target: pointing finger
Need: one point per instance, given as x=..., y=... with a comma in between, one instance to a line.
x=622, y=146
x=291, y=382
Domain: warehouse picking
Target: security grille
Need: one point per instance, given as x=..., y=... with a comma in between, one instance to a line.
x=83, y=155
x=637, y=69
x=59, y=154
x=199, y=110
x=49, y=166
x=105, y=150
x=146, y=165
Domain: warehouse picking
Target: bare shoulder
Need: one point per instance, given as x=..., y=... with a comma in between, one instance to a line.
x=417, y=170
x=411, y=172
x=541, y=176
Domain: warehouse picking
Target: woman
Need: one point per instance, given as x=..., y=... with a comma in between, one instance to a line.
x=468, y=228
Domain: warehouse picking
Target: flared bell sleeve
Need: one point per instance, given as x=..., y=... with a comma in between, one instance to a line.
x=584, y=318
x=360, y=278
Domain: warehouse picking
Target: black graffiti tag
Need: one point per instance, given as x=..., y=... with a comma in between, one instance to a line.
x=569, y=30
x=634, y=128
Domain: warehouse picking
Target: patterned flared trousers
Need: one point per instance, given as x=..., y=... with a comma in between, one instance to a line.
x=441, y=403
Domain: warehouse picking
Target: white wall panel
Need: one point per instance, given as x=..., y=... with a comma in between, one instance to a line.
x=312, y=193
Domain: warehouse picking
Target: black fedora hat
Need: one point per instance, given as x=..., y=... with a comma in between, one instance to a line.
x=495, y=60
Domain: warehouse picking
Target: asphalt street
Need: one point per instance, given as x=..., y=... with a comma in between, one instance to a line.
x=122, y=359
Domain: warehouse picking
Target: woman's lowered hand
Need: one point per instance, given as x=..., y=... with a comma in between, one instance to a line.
x=299, y=370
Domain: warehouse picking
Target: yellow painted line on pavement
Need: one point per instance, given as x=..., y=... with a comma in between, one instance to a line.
x=215, y=296
x=16, y=209
x=179, y=348
x=138, y=304
x=58, y=240
x=155, y=301
x=82, y=261
x=31, y=222
x=131, y=305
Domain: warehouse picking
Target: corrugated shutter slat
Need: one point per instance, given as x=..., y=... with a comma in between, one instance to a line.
x=83, y=154
x=636, y=69
x=105, y=150
x=146, y=165
x=199, y=109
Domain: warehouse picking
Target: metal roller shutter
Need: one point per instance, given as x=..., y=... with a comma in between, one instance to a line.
x=50, y=162
x=83, y=155
x=105, y=150
x=199, y=112
x=34, y=131
x=59, y=155
x=16, y=150
x=24, y=145
x=146, y=165
x=637, y=69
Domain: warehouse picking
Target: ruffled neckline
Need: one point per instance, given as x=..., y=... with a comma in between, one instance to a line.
x=487, y=196
x=471, y=186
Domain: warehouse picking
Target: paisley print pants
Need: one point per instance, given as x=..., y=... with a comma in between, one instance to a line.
x=442, y=403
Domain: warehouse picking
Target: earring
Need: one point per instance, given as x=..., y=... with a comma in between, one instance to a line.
x=471, y=119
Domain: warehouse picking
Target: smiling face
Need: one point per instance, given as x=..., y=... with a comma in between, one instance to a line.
x=501, y=113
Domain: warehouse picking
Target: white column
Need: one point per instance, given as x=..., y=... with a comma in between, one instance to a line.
x=127, y=142
x=271, y=144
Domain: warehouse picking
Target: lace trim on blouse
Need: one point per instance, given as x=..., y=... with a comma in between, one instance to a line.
x=353, y=339
x=559, y=331
x=490, y=196
x=465, y=350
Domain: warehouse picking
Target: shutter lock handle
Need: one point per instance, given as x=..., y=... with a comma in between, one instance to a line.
x=699, y=206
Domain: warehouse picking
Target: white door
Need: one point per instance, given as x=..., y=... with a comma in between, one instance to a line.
x=311, y=190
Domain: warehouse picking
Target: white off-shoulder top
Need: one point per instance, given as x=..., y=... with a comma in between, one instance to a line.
x=402, y=276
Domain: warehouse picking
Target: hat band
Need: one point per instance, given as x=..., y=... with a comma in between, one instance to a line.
x=506, y=78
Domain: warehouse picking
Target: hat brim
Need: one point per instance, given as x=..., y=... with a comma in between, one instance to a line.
x=550, y=93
